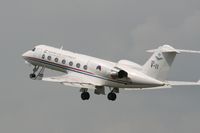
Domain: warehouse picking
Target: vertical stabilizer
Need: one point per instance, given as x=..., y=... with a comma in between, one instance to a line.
x=159, y=64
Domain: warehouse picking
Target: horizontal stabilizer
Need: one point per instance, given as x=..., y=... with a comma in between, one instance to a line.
x=164, y=49
x=168, y=49
x=188, y=51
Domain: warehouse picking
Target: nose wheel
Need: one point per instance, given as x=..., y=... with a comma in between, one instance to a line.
x=32, y=75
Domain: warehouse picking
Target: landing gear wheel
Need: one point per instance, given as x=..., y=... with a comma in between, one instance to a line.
x=32, y=75
x=112, y=96
x=85, y=96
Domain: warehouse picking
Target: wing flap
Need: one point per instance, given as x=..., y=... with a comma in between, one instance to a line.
x=75, y=80
x=80, y=85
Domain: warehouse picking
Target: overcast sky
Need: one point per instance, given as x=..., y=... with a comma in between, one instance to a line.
x=108, y=29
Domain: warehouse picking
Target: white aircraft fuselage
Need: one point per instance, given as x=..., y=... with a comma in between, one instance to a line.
x=89, y=72
x=99, y=70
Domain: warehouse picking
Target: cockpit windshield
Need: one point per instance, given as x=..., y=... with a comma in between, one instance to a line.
x=33, y=49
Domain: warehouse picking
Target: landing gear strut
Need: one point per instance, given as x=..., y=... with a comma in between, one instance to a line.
x=40, y=74
x=32, y=75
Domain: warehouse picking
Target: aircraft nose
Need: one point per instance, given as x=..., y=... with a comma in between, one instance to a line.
x=26, y=54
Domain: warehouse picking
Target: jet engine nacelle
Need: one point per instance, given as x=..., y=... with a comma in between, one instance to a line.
x=120, y=74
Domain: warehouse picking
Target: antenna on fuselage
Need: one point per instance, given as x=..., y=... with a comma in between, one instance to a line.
x=61, y=48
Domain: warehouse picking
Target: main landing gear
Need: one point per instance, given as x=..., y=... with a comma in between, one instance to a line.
x=85, y=95
x=112, y=95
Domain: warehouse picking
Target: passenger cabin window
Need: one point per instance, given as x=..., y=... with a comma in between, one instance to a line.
x=78, y=65
x=71, y=63
x=56, y=59
x=85, y=67
x=49, y=57
x=43, y=56
x=63, y=61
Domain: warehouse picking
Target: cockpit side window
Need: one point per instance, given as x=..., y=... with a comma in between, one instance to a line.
x=33, y=49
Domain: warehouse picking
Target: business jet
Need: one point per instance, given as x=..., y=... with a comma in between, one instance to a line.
x=86, y=72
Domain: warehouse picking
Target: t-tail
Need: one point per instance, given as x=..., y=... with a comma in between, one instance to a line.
x=159, y=64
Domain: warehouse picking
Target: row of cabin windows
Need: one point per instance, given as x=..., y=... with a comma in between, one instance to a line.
x=78, y=65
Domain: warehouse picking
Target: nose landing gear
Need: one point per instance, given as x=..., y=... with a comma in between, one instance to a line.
x=32, y=75
x=39, y=75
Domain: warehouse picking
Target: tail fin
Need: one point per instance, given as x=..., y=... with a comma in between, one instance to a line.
x=160, y=62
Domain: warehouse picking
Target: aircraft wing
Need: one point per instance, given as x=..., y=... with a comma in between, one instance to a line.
x=75, y=80
x=169, y=84
x=152, y=88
